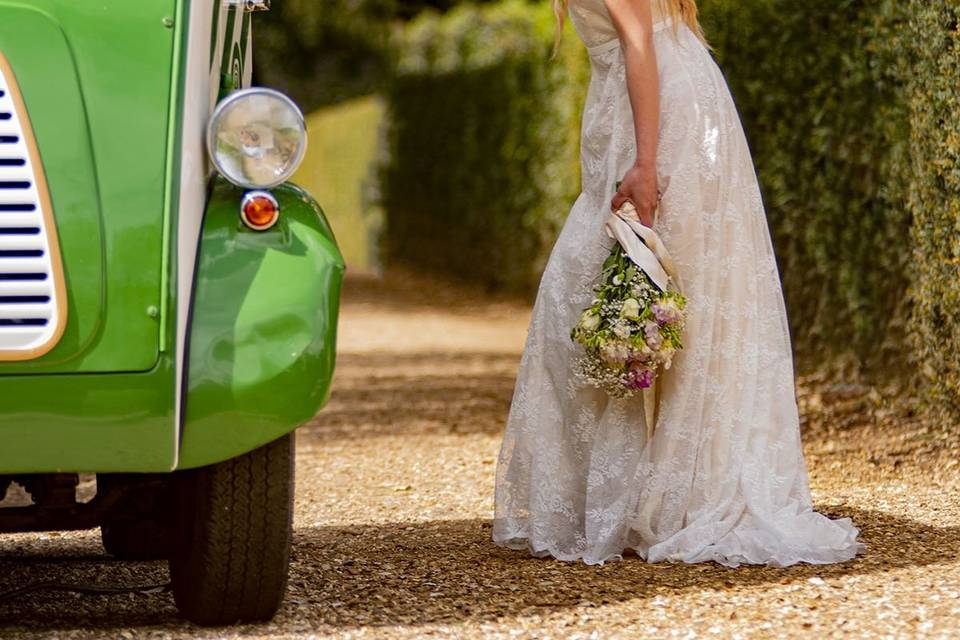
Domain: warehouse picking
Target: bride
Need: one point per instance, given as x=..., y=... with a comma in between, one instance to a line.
x=722, y=478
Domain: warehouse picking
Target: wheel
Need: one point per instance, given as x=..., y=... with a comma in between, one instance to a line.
x=233, y=523
x=135, y=539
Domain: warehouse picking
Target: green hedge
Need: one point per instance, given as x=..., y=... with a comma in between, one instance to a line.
x=323, y=52
x=819, y=87
x=934, y=194
x=851, y=108
x=480, y=130
x=481, y=165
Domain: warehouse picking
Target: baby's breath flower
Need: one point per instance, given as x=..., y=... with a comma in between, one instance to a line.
x=628, y=332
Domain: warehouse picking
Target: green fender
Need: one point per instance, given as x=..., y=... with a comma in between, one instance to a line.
x=262, y=338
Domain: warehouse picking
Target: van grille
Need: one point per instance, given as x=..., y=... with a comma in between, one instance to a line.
x=32, y=294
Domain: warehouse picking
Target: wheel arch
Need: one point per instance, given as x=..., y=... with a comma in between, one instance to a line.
x=260, y=352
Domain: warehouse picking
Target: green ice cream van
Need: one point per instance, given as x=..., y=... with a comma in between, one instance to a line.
x=168, y=302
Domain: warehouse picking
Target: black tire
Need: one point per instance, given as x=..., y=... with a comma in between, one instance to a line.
x=233, y=526
x=135, y=539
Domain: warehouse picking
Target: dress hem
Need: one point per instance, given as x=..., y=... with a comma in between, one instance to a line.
x=519, y=540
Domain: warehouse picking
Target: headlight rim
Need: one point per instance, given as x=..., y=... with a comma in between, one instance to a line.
x=248, y=197
x=221, y=108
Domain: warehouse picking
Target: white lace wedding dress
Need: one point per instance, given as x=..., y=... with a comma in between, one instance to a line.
x=723, y=477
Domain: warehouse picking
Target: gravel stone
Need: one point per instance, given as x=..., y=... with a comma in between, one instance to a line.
x=394, y=501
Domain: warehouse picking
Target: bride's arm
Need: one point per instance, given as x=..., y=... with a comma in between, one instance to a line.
x=634, y=22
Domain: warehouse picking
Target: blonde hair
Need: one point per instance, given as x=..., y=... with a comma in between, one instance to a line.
x=684, y=11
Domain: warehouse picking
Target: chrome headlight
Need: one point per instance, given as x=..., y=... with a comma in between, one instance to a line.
x=256, y=138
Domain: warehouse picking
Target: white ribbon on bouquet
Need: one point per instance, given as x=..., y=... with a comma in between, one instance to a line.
x=643, y=246
x=645, y=249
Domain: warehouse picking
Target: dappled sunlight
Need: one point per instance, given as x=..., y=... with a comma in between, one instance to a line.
x=393, y=513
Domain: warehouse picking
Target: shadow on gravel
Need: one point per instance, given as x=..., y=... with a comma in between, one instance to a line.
x=442, y=572
x=448, y=572
x=416, y=393
x=78, y=562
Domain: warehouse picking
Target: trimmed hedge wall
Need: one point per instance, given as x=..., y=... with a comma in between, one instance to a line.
x=322, y=52
x=482, y=145
x=851, y=110
x=819, y=87
x=934, y=194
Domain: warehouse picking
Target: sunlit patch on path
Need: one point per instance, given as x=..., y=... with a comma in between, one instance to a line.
x=394, y=506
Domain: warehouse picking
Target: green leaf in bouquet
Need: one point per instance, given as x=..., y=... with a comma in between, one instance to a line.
x=610, y=262
x=671, y=334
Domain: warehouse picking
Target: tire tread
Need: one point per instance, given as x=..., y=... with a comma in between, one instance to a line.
x=230, y=562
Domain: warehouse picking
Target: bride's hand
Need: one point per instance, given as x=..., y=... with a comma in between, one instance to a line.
x=639, y=186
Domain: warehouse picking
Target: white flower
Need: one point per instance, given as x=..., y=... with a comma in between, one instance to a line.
x=652, y=333
x=621, y=330
x=617, y=280
x=631, y=309
x=589, y=321
x=666, y=355
x=615, y=353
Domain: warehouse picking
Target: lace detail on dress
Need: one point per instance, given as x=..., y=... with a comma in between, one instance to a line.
x=723, y=477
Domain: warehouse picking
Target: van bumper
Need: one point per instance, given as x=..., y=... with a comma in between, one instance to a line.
x=262, y=334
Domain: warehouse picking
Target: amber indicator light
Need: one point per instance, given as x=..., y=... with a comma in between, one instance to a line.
x=259, y=210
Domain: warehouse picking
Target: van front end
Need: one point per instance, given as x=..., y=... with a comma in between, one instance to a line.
x=168, y=302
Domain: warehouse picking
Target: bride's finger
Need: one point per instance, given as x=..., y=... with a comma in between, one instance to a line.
x=618, y=200
x=646, y=216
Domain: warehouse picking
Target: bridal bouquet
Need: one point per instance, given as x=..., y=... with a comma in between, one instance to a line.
x=633, y=327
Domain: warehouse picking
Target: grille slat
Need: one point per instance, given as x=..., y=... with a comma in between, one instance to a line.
x=29, y=315
x=25, y=265
x=20, y=220
x=21, y=241
x=24, y=288
x=25, y=311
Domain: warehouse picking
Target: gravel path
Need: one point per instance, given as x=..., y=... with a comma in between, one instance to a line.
x=394, y=505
